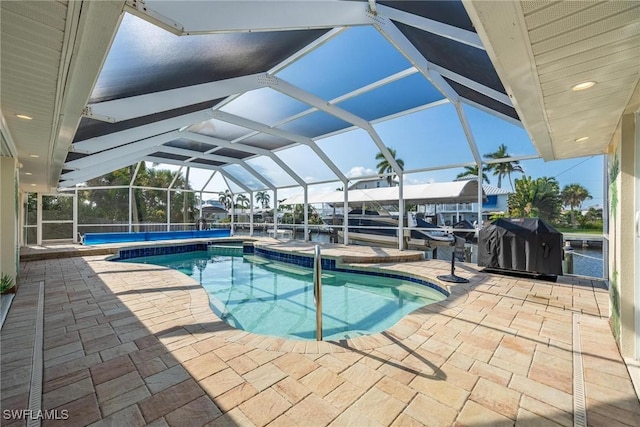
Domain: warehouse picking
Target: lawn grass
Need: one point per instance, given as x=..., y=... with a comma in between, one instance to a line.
x=578, y=230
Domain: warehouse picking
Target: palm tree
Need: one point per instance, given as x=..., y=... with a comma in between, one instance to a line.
x=385, y=167
x=573, y=195
x=226, y=199
x=536, y=198
x=503, y=168
x=473, y=171
x=242, y=201
x=263, y=198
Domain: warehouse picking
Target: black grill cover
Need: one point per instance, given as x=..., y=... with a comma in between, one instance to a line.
x=527, y=245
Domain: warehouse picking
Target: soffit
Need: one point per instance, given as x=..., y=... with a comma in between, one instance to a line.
x=542, y=49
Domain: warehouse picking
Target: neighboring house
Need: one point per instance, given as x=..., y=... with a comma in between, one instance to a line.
x=371, y=183
x=213, y=211
x=496, y=203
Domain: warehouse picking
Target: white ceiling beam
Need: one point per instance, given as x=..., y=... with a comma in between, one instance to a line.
x=143, y=105
x=224, y=159
x=444, y=30
x=322, y=105
x=143, y=146
x=389, y=30
x=472, y=84
x=212, y=17
x=97, y=170
x=116, y=139
x=260, y=127
x=248, y=149
x=469, y=134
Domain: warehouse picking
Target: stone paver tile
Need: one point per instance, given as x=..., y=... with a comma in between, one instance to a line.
x=492, y=373
x=461, y=361
x=546, y=411
x=345, y=395
x=124, y=400
x=440, y=390
x=262, y=356
x=129, y=416
x=496, y=397
x=474, y=414
x=112, y=388
x=221, y=382
x=295, y=365
x=149, y=367
x=119, y=350
x=283, y=420
x=67, y=393
x=313, y=411
x=264, y=407
x=396, y=370
x=264, y=376
x=430, y=412
x=194, y=414
x=94, y=332
x=148, y=353
x=291, y=389
x=542, y=392
x=111, y=369
x=322, y=381
x=242, y=364
x=529, y=419
x=354, y=417
x=60, y=339
x=166, y=378
x=233, y=418
x=203, y=366
x=611, y=413
x=399, y=391
x=361, y=375
x=333, y=363
x=60, y=381
x=231, y=350
x=169, y=399
x=509, y=366
x=65, y=358
x=617, y=398
x=182, y=354
x=379, y=406
x=55, y=352
x=81, y=412
x=604, y=379
x=404, y=420
x=235, y=396
x=101, y=343
x=457, y=377
x=209, y=344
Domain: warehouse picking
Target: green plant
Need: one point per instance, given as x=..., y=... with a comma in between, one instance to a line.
x=6, y=283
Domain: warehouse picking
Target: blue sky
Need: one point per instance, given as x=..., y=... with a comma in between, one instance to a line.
x=429, y=138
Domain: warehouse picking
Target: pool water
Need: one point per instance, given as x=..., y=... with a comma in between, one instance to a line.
x=272, y=298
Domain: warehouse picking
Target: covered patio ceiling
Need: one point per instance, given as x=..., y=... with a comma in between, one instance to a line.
x=219, y=85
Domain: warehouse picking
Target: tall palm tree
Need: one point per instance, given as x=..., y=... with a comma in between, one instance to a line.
x=263, y=198
x=472, y=171
x=573, y=195
x=226, y=199
x=504, y=168
x=385, y=167
x=242, y=201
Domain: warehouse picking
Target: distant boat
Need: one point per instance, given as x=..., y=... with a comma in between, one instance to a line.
x=381, y=229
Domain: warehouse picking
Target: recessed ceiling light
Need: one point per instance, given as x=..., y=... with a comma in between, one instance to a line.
x=28, y=173
x=35, y=156
x=33, y=185
x=584, y=138
x=583, y=86
x=24, y=116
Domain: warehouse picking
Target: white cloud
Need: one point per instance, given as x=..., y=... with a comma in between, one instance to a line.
x=358, y=171
x=416, y=181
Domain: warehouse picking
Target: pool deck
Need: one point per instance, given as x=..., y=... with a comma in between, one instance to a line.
x=133, y=344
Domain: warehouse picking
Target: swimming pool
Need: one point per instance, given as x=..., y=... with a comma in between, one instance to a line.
x=274, y=298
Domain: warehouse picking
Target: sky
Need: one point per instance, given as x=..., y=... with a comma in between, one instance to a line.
x=424, y=139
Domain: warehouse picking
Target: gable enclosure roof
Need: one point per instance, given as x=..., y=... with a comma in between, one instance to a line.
x=218, y=84
x=214, y=84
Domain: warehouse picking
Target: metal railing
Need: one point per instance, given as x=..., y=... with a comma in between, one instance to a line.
x=317, y=291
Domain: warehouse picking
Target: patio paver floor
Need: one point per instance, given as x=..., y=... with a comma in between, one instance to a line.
x=133, y=344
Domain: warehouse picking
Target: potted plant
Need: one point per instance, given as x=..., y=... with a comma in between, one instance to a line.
x=7, y=286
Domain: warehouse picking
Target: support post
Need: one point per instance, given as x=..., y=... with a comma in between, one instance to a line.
x=400, y=210
x=130, y=208
x=306, y=214
x=39, y=220
x=345, y=221
x=251, y=214
x=567, y=263
x=275, y=212
x=75, y=215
